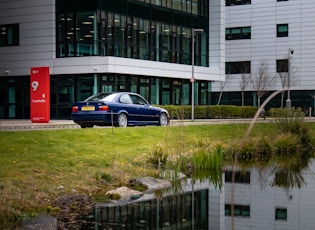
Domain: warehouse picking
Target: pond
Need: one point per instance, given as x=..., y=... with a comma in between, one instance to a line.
x=251, y=198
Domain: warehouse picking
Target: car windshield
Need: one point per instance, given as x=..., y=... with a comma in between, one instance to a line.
x=102, y=97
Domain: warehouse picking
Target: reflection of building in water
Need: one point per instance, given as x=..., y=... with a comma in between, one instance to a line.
x=257, y=205
x=170, y=212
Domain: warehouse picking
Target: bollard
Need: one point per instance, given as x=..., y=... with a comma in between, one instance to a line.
x=310, y=112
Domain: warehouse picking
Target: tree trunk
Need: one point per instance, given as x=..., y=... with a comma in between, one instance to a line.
x=243, y=98
x=220, y=96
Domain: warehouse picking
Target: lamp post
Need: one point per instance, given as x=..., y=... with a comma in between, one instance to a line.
x=290, y=52
x=192, y=80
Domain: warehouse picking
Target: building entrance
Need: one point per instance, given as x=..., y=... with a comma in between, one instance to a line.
x=62, y=97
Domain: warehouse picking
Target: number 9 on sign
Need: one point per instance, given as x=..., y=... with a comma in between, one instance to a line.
x=35, y=85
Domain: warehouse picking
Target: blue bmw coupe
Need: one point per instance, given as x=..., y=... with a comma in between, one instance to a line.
x=118, y=109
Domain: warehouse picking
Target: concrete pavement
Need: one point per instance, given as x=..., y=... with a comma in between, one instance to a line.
x=25, y=124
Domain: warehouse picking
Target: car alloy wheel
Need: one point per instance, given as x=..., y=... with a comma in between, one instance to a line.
x=122, y=120
x=163, y=119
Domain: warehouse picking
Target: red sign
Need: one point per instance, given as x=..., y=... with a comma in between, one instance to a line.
x=40, y=94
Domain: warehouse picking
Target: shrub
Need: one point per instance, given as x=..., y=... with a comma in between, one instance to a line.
x=286, y=144
x=264, y=150
x=158, y=157
x=288, y=120
x=210, y=111
x=248, y=111
x=200, y=112
x=247, y=151
x=292, y=121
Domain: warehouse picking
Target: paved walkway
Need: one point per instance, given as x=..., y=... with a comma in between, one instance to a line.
x=25, y=124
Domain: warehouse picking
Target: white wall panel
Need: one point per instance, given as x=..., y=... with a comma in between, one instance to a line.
x=37, y=24
x=35, y=40
x=37, y=34
x=131, y=66
x=31, y=3
x=264, y=43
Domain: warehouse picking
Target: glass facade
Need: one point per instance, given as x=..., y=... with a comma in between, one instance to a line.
x=172, y=212
x=156, y=31
x=66, y=89
x=195, y=6
x=14, y=97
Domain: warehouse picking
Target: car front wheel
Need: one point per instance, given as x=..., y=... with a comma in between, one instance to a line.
x=122, y=120
x=163, y=119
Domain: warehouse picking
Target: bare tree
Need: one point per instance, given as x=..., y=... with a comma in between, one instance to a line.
x=223, y=84
x=245, y=80
x=283, y=74
x=262, y=80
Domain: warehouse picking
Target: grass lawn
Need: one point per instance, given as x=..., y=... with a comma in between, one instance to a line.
x=38, y=166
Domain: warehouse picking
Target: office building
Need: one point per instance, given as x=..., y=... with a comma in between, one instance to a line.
x=274, y=37
x=141, y=46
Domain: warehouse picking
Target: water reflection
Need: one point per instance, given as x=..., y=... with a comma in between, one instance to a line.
x=273, y=198
x=278, y=196
x=173, y=212
x=169, y=212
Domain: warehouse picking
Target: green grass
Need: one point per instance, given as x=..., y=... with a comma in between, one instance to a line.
x=38, y=166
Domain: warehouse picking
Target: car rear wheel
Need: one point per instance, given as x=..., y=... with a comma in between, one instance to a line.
x=163, y=119
x=122, y=120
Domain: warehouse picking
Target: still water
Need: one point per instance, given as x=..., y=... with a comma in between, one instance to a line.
x=266, y=198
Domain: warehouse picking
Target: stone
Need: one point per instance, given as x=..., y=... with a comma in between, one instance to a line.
x=125, y=193
x=153, y=184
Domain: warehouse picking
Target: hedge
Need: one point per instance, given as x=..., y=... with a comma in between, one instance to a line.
x=210, y=111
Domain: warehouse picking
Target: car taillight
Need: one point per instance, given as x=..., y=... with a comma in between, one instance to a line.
x=75, y=109
x=103, y=108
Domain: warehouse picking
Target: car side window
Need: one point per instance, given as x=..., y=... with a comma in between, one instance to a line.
x=138, y=100
x=125, y=99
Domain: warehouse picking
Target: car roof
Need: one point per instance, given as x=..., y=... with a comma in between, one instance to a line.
x=118, y=93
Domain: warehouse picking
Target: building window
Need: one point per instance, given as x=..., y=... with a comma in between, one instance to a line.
x=240, y=177
x=9, y=35
x=197, y=7
x=282, y=0
x=281, y=214
x=282, y=30
x=239, y=210
x=238, y=33
x=282, y=65
x=237, y=2
x=237, y=67
x=104, y=33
